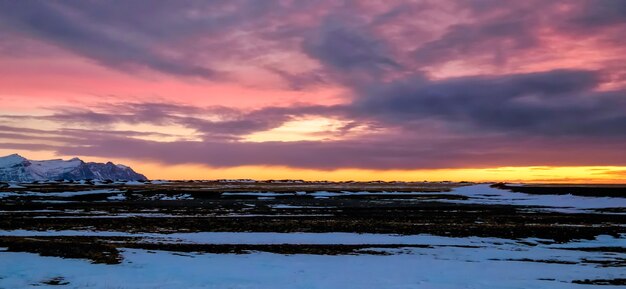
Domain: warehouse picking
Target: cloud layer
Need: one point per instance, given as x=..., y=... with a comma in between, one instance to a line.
x=416, y=84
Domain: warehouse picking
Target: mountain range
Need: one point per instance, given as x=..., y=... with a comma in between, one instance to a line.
x=15, y=168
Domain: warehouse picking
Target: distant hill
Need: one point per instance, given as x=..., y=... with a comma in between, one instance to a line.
x=19, y=169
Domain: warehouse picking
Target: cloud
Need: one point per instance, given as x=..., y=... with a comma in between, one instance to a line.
x=348, y=47
x=496, y=39
x=131, y=35
x=74, y=28
x=212, y=122
x=545, y=111
x=392, y=151
x=552, y=103
x=543, y=118
x=600, y=13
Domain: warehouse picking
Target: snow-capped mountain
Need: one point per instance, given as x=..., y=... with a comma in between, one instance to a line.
x=19, y=169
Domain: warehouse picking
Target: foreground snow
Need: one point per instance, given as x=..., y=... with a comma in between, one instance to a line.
x=421, y=268
x=449, y=263
x=272, y=238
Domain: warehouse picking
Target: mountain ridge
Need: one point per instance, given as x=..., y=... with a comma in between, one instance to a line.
x=16, y=168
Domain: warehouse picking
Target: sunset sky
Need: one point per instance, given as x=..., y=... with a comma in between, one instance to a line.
x=339, y=90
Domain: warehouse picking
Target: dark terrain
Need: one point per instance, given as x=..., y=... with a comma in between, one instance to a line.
x=232, y=206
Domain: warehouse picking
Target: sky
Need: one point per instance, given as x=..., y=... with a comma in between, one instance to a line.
x=476, y=90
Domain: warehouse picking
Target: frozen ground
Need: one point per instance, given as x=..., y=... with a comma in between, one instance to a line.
x=292, y=235
x=484, y=194
x=449, y=263
x=473, y=194
x=480, y=194
x=270, y=238
x=57, y=194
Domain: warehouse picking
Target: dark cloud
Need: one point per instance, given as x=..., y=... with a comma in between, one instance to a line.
x=553, y=103
x=495, y=39
x=21, y=136
x=74, y=27
x=187, y=39
x=348, y=47
x=494, y=32
x=133, y=34
x=301, y=81
x=600, y=13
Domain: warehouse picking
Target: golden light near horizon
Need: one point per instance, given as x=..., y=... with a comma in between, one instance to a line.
x=591, y=174
x=530, y=174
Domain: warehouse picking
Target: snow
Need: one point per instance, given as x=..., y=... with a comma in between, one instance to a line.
x=58, y=194
x=335, y=194
x=236, y=181
x=17, y=168
x=259, y=194
x=484, y=194
x=268, y=238
x=272, y=215
x=488, y=265
x=53, y=201
x=478, y=194
x=118, y=197
x=30, y=211
x=164, y=197
x=326, y=194
x=11, y=160
x=118, y=216
x=133, y=183
x=15, y=186
x=43, y=170
x=285, y=206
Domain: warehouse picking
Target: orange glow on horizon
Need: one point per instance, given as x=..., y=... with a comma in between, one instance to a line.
x=533, y=174
x=595, y=174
